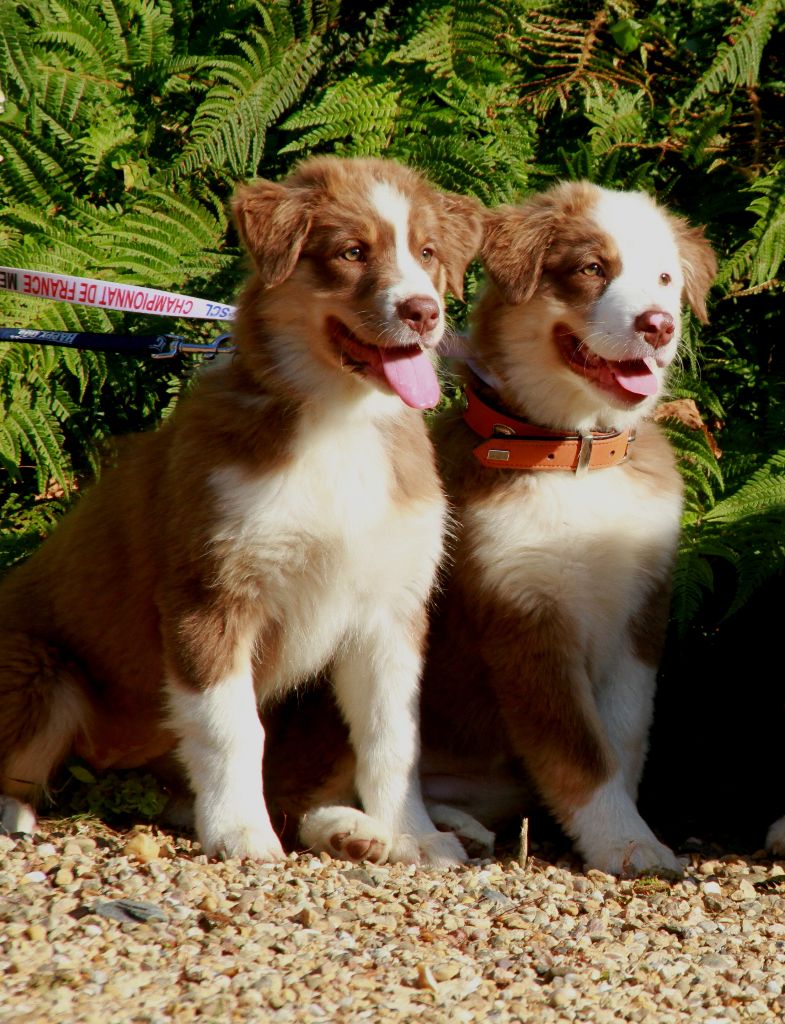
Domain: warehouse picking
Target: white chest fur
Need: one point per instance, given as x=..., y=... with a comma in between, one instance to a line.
x=590, y=546
x=321, y=543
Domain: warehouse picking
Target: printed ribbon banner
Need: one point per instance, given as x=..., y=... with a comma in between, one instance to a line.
x=129, y=298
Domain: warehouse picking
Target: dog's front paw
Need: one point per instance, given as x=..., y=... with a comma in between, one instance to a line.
x=244, y=842
x=346, y=833
x=775, y=840
x=16, y=816
x=633, y=856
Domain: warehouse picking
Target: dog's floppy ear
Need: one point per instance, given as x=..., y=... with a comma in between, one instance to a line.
x=273, y=220
x=514, y=247
x=698, y=263
x=463, y=219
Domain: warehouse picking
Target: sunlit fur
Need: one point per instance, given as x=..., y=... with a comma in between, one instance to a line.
x=544, y=653
x=286, y=519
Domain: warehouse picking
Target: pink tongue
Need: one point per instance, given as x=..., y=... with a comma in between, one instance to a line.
x=410, y=373
x=637, y=376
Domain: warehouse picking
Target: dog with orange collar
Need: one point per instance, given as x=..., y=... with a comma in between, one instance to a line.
x=545, y=646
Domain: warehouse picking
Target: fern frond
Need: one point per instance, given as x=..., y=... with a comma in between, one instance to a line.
x=358, y=109
x=88, y=40
x=41, y=436
x=693, y=578
x=757, y=261
x=617, y=118
x=738, y=60
x=231, y=123
x=151, y=39
x=31, y=171
x=558, y=55
x=16, y=54
x=692, y=447
x=164, y=240
x=483, y=34
x=763, y=493
x=431, y=45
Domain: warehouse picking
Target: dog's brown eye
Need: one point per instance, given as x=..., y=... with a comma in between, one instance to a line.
x=593, y=270
x=665, y=279
x=353, y=254
x=426, y=255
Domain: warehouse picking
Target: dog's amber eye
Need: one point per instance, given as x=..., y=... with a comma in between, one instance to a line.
x=665, y=279
x=593, y=270
x=426, y=255
x=353, y=254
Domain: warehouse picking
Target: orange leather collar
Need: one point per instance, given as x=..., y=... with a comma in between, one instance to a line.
x=515, y=444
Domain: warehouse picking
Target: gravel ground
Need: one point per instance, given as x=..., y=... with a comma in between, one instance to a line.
x=316, y=939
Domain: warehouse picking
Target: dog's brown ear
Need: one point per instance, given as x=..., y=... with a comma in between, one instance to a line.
x=514, y=247
x=463, y=219
x=699, y=265
x=273, y=220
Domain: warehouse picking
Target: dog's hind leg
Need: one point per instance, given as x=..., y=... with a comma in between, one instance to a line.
x=476, y=839
x=42, y=710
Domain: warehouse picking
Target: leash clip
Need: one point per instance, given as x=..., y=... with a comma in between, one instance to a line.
x=178, y=346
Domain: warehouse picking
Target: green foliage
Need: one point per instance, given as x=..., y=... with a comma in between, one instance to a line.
x=110, y=796
x=738, y=58
x=124, y=126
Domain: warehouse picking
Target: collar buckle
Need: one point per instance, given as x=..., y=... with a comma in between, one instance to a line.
x=584, y=453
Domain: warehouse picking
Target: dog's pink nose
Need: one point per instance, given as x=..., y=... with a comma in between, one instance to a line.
x=419, y=312
x=657, y=327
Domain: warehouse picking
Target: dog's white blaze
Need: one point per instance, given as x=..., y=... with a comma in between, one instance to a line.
x=221, y=746
x=647, y=249
x=395, y=208
x=328, y=541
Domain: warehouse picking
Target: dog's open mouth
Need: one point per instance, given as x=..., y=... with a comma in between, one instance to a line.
x=630, y=380
x=404, y=369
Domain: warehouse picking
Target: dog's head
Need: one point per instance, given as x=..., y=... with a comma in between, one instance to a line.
x=352, y=260
x=583, y=318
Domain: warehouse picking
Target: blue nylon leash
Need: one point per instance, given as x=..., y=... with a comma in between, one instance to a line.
x=157, y=346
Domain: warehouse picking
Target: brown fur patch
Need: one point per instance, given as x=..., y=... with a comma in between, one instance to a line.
x=519, y=668
x=649, y=625
x=698, y=263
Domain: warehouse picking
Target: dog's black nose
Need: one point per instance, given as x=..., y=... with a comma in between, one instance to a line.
x=419, y=312
x=657, y=327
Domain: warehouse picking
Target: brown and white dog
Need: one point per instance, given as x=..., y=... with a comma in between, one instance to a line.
x=288, y=518
x=545, y=649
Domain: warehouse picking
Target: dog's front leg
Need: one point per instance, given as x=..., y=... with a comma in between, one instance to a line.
x=611, y=832
x=376, y=684
x=583, y=752
x=213, y=710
